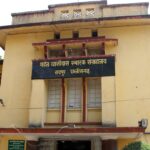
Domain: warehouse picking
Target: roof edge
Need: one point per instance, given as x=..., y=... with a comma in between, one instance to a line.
x=51, y=7
x=74, y=21
x=30, y=12
x=78, y=3
x=128, y=4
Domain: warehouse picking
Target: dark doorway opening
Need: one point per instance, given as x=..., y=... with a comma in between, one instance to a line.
x=74, y=145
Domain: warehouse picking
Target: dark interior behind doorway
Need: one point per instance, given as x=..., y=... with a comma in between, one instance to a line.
x=74, y=145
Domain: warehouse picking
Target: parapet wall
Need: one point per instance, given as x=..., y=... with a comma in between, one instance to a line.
x=78, y=11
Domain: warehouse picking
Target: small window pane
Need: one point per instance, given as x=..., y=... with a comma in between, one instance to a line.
x=94, y=93
x=74, y=93
x=54, y=93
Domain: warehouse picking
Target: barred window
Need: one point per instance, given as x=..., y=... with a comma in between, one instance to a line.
x=94, y=92
x=90, y=12
x=74, y=93
x=77, y=13
x=65, y=14
x=54, y=93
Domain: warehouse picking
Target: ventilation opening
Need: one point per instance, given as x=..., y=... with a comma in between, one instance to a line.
x=57, y=36
x=94, y=33
x=74, y=145
x=75, y=34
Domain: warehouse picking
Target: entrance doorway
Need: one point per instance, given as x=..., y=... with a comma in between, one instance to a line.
x=74, y=145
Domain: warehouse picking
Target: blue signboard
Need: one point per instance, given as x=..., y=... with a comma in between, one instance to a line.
x=73, y=67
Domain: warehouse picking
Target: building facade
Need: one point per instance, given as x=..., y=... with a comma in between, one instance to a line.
x=76, y=76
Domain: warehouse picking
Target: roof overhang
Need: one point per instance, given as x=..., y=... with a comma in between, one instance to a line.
x=103, y=133
x=106, y=41
x=107, y=22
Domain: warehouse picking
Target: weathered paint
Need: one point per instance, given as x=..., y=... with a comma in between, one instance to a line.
x=125, y=97
x=101, y=11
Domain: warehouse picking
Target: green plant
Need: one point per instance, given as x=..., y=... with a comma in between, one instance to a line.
x=137, y=146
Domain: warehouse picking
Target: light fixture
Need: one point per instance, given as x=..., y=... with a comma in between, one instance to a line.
x=143, y=123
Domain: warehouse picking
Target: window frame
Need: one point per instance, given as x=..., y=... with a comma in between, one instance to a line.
x=100, y=92
x=81, y=95
x=59, y=99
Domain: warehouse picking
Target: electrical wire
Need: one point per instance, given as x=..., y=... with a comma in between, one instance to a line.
x=66, y=106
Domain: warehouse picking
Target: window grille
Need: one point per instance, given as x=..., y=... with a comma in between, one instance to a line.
x=90, y=12
x=54, y=93
x=77, y=13
x=74, y=93
x=65, y=14
x=94, y=93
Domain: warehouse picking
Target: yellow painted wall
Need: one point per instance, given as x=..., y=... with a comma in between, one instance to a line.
x=38, y=103
x=16, y=84
x=132, y=74
x=108, y=101
x=132, y=80
x=74, y=115
x=94, y=115
x=53, y=116
x=132, y=63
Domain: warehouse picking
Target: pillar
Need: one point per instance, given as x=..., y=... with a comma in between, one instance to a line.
x=38, y=103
